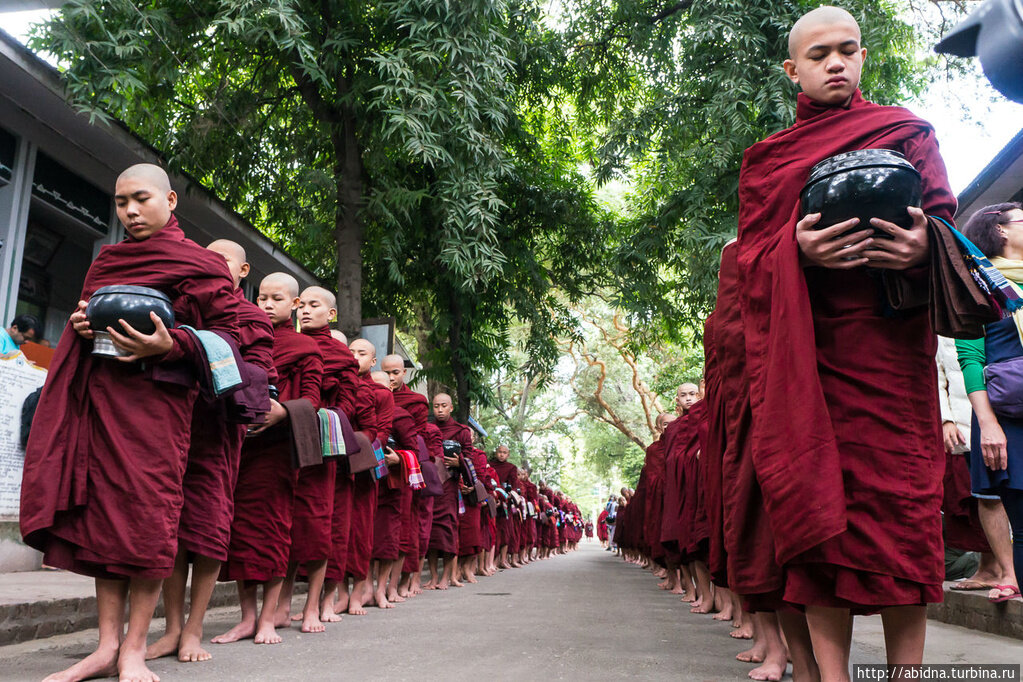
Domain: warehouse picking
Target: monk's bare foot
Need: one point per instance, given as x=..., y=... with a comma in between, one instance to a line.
x=355, y=607
x=772, y=669
x=688, y=597
x=430, y=585
x=394, y=597
x=442, y=585
x=405, y=593
x=165, y=646
x=503, y=566
x=243, y=630
x=470, y=578
x=341, y=605
x=455, y=583
x=283, y=619
x=380, y=599
x=702, y=608
x=663, y=584
x=745, y=631
x=755, y=654
x=131, y=666
x=329, y=615
x=312, y=623
x=297, y=617
x=100, y=663
x=725, y=614
x=677, y=590
x=190, y=650
x=267, y=634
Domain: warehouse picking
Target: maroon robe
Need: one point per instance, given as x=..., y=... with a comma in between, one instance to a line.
x=412, y=545
x=265, y=493
x=674, y=439
x=374, y=407
x=851, y=472
x=107, y=432
x=445, y=532
x=656, y=467
x=215, y=450
x=508, y=477
x=395, y=495
x=469, y=521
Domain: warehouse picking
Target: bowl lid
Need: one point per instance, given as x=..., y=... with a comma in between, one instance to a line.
x=860, y=158
x=133, y=290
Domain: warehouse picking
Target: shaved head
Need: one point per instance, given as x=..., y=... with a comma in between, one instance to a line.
x=339, y=335
x=392, y=361
x=363, y=345
x=223, y=246
x=319, y=292
x=442, y=398
x=283, y=280
x=365, y=352
x=148, y=173
x=380, y=378
x=822, y=16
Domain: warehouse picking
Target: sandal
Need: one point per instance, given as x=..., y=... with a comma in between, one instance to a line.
x=1013, y=593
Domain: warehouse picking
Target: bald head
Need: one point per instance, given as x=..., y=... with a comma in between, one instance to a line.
x=379, y=377
x=394, y=366
x=329, y=299
x=687, y=395
x=149, y=173
x=234, y=254
x=442, y=407
x=822, y=16
x=339, y=335
x=365, y=352
x=283, y=281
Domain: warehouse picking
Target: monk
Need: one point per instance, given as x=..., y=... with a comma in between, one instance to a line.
x=863, y=442
x=377, y=400
x=679, y=580
x=213, y=458
x=444, y=535
x=316, y=309
x=84, y=459
x=469, y=521
x=265, y=492
x=394, y=498
x=417, y=405
x=508, y=477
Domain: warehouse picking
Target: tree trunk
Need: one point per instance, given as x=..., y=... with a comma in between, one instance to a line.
x=348, y=228
x=460, y=328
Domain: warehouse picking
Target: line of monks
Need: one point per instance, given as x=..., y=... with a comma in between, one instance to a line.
x=805, y=488
x=241, y=446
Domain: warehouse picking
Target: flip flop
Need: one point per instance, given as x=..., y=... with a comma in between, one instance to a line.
x=1004, y=597
x=966, y=584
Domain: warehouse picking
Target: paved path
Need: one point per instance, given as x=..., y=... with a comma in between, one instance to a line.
x=584, y=616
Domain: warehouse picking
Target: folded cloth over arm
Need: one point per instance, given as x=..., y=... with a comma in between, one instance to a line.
x=305, y=433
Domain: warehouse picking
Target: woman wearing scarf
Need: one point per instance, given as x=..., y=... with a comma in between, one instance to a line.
x=996, y=448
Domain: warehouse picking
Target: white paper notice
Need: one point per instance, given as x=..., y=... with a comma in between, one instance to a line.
x=18, y=378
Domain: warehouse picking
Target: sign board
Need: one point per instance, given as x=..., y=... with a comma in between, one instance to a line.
x=19, y=378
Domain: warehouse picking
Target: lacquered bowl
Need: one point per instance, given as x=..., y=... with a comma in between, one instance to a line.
x=451, y=448
x=864, y=184
x=129, y=303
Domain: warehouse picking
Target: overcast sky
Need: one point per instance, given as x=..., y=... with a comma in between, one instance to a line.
x=972, y=120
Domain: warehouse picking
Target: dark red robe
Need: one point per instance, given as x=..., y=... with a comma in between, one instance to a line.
x=469, y=541
x=508, y=477
x=445, y=533
x=374, y=411
x=851, y=472
x=653, y=514
x=215, y=451
x=107, y=432
x=395, y=495
x=412, y=545
x=265, y=493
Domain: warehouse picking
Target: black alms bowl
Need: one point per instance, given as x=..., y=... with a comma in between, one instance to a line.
x=864, y=184
x=129, y=303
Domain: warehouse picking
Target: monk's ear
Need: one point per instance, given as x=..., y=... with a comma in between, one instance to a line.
x=245, y=269
x=295, y=302
x=333, y=314
x=790, y=70
x=172, y=199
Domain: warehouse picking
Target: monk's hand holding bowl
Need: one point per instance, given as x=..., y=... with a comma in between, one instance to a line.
x=906, y=249
x=80, y=322
x=450, y=462
x=139, y=345
x=276, y=415
x=391, y=457
x=832, y=247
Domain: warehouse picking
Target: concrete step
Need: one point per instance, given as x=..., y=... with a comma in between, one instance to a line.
x=39, y=604
x=973, y=610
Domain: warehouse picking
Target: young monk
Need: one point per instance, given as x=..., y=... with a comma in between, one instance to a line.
x=84, y=458
x=508, y=477
x=264, y=496
x=392, y=497
x=444, y=535
x=679, y=580
x=863, y=442
x=417, y=406
x=213, y=458
x=316, y=309
x=376, y=400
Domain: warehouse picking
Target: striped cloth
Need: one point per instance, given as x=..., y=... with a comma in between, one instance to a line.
x=380, y=472
x=332, y=440
x=415, y=473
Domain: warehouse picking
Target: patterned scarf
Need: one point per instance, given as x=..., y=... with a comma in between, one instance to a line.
x=415, y=473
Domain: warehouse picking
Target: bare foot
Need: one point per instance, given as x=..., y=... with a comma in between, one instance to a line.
x=165, y=646
x=430, y=585
x=243, y=630
x=677, y=590
x=355, y=607
x=395, y=598
x=297, y=617
x=701, y=608
x=663, y=584
x=267, y=634
x=100, y=663
x=723, y=615
x=442, y=585
x=754, y=654
x=190, y=650
x=131, y=666
x=341, y=605
x=471, y=579
x=772, y=669
x=455, y=583
x=312, y=623
x=744, y=632
x=283, y=619
x=381, y=601
x=688, y=597
x=328, y=614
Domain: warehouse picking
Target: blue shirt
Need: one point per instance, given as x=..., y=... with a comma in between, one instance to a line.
x=7, y=345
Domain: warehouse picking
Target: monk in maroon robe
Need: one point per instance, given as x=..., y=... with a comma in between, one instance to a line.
x=508, y=477
x=653, y=515
x=214, y=455
x=863, y=442
x=469, y=541
x=444, y=535
x=264, y=495
x=84, y=458
x=323, y=494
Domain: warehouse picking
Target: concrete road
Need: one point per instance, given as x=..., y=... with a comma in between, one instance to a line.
x=584, y=616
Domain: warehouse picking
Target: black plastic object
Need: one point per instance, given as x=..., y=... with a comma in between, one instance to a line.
x=864, y=184
x=451, y=448
x=129, y=303
x=993, y=32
